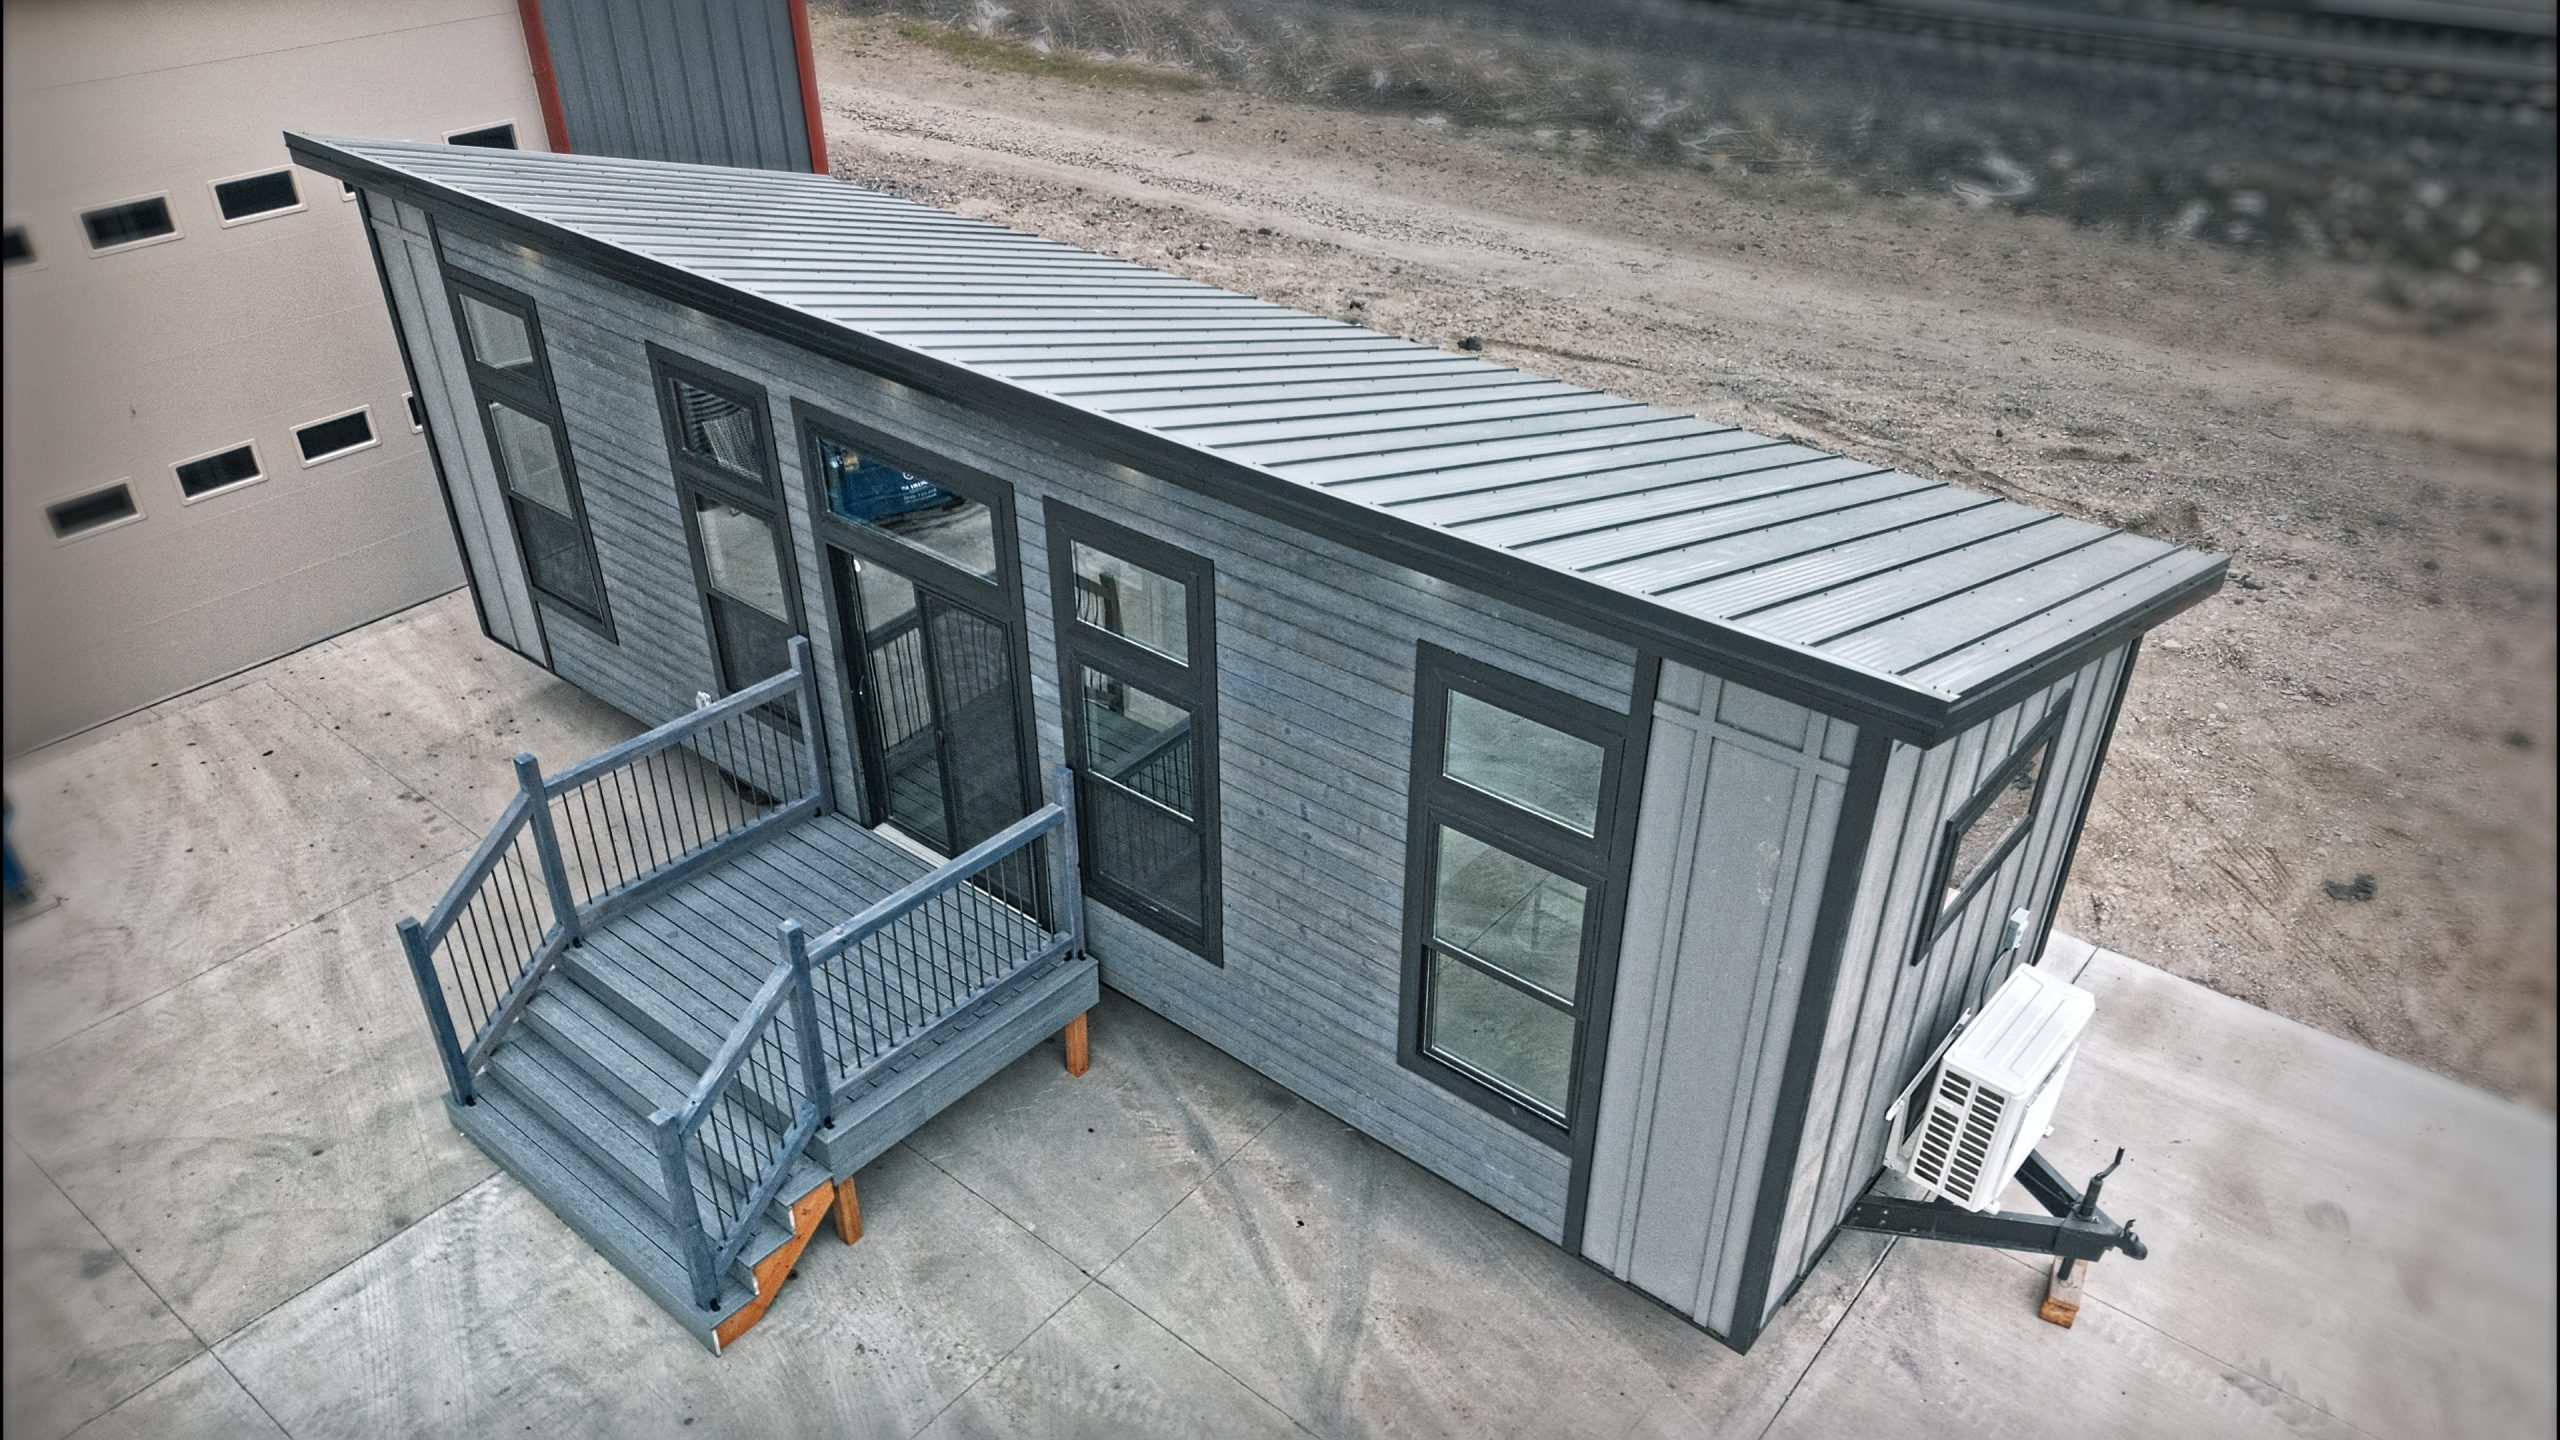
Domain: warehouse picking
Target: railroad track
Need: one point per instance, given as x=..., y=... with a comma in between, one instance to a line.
x=2481, y=52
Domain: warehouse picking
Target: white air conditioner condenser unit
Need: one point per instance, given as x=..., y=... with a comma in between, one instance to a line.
x=1976, y=1112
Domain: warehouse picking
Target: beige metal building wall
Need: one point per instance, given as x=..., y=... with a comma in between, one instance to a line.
x=121, y=364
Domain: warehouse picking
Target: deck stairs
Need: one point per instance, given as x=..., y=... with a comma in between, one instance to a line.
x=683, y=1000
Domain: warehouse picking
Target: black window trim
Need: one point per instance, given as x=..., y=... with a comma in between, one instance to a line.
x=1194, y=685
x=693, y=475
x=372, y=435
x=1598, y=861
x=177, y=228
x=224, y=220
x=132, y=501
x=255, y=459
x=1950, y=909
x=998, y=602
x=537, y=396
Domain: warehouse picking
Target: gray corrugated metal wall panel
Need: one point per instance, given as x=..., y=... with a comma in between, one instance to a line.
x=1887, y=1013
x=1979, y=624
x=1315, y=709
x=1733, y=847
x=660, y=80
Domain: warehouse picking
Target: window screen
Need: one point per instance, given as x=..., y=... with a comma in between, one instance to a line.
x=251, y=196
x=235, y=466
x=326, y=439
x=130, y=223
x=94, y=511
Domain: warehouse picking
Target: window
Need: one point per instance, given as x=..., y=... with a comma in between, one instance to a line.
x=338, y=435
x=222, y=470
x=520, y=419
x=730, y=488
x=255, y=197
x=501, y=136
x=1135, y=622
x=346, y=190
x=417, y=412
x=859, y=486
x=1990, y=827
x=88, y=514
x=1508, y=867
x=132, y=223
x=15, y=248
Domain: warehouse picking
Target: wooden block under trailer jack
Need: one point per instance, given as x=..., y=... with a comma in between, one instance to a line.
x=2062, y=1290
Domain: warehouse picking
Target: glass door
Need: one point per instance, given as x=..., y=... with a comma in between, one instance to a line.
x=928, y=607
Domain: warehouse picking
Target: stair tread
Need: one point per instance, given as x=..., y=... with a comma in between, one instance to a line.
x=620, y=1055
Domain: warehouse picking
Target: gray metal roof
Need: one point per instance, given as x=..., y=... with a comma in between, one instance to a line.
x=1856, y=587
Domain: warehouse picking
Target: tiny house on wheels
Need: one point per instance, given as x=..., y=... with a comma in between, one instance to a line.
x=1609, y=809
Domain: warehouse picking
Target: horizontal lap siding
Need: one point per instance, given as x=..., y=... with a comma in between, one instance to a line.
x=1887, y=1014
x=1740, y=807
x=1315, y=653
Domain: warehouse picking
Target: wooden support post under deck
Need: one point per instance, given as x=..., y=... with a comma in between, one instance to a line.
x=848, y=1212
x=1079, y=1053
x=2065, y=1282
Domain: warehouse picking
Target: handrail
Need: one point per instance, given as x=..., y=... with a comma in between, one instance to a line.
x=636, y=817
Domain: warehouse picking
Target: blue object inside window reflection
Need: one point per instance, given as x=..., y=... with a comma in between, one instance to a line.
x=862, y=488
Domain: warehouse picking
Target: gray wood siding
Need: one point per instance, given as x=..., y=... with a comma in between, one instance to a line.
x=1742, y=797
x=1887, y=1013
x=1316, y=650
x=671, y=80
x=444, y=396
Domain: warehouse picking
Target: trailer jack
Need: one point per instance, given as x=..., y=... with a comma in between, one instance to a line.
x=2073, y=1230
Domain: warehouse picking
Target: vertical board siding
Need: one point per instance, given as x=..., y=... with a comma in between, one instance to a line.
x=665, y=80
x=1888, y=1013
x=444, y=397
x=1741, y=803
x=1316, y=651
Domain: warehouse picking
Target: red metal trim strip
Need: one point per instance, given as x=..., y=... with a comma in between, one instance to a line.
x=537, y=48
x=816, y=122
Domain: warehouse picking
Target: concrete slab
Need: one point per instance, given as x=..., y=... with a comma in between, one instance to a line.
x=246, y=1133
x=1099, y=1370
x=2375, y=1240
x=179, y=844
x=1362, y=1295
x=197, y=1398
x=1945, y=1341
x=428, y=697
x=492, y=1317
x=82, y=1330
x=1089, y=1164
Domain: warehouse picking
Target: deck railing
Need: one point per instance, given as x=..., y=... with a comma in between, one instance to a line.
x=885, y=978
x=573, y=847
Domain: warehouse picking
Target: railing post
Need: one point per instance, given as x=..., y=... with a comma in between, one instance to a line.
x=804, y=1010
x=546, y=843
x=1065, y=860
x=698, y=1258
x=422, y=968
x=822, y=778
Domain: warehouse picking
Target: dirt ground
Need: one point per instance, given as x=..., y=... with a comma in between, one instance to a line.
x=2372, y=696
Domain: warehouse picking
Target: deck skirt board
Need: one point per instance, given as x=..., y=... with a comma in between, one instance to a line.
x=625, y=1026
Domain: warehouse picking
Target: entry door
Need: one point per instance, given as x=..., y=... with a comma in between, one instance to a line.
x=935, y=680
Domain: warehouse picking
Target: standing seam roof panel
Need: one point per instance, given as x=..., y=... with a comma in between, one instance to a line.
x=1872, y=593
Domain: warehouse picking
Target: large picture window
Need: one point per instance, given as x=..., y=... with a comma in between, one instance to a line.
x=520, y=417
x=1513, y=789
x=1990, y=827
x=1137, y=664
x=729, y=487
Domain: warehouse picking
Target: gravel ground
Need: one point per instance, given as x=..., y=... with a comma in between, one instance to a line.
x=2373, y=696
